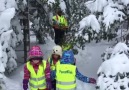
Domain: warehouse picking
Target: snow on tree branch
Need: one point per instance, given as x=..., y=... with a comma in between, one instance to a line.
x=50, y=2
x=89, y=21
x=62, y=5
x=119, y=48
x=113, y=74
x=10, y=36
x=5, y=18
x=111, y=14
x=111, y=10
x=96, y=6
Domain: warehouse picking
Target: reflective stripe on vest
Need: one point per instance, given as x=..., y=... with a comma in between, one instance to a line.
x=61, y=19
x=65, y=77
x=37, y=86
x=66, y=89
x=37, y=80
x=65, y=83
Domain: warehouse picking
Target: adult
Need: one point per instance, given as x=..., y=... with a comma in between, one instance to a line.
x=60, y=26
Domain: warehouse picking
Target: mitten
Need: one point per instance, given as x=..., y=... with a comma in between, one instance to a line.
x=25, y=84
x=92, y=80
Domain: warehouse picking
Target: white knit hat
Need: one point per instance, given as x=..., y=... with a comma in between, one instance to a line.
x=57, y=50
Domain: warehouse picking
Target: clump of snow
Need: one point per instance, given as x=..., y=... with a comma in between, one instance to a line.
x=119, y=48
x=112, y=51
x=62, y=5
x=89, y=21
x=114, y=14
x=111, y=10
x=96, y=6
x=18, y=35
x=7, y=46
x=50, y=2
x=113, y=73
x=11, y=4
x=2, y=5
x=25, y=2
x=5, y=18
x=125, y=2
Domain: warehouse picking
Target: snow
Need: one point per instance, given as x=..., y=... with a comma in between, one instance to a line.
x=11, y=4
x=96, y=6
x=2, y=5
x=114, y=14
x=118, y=64
x=111, y=10
x=50, y=2
x=88, y=61
x=112, y=73
x=8, y=40
x=125, y=2
x=19, y=37
x=7, y=47
x=5, y=18
x=89, y=21
x=82, y=86
x=120, y=47
x=25, y=2
x=62, y=5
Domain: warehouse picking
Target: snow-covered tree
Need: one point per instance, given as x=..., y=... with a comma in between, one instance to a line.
x=41, y=17
x=110, y=14
x=113, y=74
x=10, y=37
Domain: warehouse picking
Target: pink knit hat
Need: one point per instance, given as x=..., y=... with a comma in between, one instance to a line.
x=35, y=52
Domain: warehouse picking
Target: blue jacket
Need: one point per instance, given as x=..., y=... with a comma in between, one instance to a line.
x=78, y=75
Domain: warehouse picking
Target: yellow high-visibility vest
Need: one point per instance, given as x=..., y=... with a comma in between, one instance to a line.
x=52, y=66
x=37, y=80
x=62, y=20
x=65, y=77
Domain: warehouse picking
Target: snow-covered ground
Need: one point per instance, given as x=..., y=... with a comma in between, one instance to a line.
x=88, y=62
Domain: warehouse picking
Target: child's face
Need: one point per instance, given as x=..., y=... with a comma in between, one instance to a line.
x=55, y=56
x=35, y=61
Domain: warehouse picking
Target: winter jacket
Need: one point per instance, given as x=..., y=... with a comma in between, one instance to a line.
x=54, y=61
x=78, y=75
x=36, y=67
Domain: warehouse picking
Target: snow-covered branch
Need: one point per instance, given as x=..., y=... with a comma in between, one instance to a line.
x=113, y=74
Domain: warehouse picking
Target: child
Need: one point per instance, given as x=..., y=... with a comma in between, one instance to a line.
x=34, y=70
x=66, y=73
x=53, y=61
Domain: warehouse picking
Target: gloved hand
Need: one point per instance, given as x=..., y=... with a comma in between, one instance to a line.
x=25, y=84
x=92, y=80
x=53, y=74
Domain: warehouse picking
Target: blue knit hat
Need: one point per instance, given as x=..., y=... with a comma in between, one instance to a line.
x=67, y=57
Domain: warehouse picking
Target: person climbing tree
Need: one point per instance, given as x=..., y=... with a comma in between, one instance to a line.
x=60, y=26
